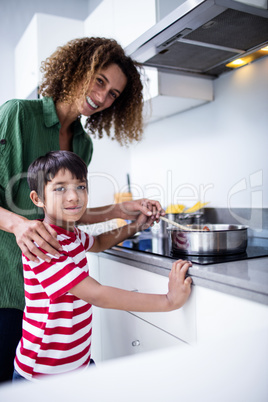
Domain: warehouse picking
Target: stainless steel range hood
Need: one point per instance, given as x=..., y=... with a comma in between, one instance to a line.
x=201, y=36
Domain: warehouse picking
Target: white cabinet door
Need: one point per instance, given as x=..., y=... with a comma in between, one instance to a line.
x=207, y=316
x=119, y=333
x=93, y=263
x=221, y=315
x=121, y=20
x=125, y=334
x=180, y=323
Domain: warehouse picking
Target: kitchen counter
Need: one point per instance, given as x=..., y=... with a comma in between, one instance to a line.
x=246, y=278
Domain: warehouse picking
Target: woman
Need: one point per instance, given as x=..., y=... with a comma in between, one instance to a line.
x=91, y=77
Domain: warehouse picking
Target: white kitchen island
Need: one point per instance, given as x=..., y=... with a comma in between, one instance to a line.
x=228, y=300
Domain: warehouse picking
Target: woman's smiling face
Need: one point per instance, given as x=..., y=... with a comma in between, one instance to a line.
x=107, y=86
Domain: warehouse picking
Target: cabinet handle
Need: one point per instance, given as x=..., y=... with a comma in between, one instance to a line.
x=136, y=343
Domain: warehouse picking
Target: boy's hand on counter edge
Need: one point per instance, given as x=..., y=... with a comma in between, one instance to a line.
x=179, y=287
x=151, y=208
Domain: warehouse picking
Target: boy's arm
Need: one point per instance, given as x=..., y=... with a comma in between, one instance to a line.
x=109, y=239
x=179, y=289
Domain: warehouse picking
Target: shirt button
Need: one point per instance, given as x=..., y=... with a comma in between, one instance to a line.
x=3, y=141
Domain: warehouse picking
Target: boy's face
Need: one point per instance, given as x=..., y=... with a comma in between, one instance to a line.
x=65, y=200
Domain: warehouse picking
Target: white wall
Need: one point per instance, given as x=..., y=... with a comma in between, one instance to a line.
x=107, y=171
x=216, y=152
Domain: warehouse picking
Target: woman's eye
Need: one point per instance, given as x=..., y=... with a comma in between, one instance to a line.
x=113, y=94
x=100, y=81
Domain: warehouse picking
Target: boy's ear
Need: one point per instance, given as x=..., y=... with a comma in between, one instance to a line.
x=36, y=200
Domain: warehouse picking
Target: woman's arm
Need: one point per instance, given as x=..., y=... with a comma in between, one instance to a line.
x=179, y=289
x=13, y=118
x=111, y=238
x=125, y=210
x=27, y=232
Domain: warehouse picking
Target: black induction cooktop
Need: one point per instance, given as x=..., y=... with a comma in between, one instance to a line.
x=158, y=245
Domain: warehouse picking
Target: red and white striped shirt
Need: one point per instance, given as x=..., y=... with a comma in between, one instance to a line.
x=57, y=326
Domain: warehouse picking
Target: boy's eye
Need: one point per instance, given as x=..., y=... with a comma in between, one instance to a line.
x=82, y=187
x=59, y=189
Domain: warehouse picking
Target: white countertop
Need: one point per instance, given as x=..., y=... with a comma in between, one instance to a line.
x=245, y=278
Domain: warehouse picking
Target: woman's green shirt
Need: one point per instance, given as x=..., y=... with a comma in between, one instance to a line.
x=28, y=129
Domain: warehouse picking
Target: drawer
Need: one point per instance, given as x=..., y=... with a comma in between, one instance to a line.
x=124, y=334
x=180, y=323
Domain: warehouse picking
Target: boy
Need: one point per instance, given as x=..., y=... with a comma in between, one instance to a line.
x=57, y=321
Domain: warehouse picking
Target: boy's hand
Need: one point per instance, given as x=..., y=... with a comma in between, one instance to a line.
x=179, y=287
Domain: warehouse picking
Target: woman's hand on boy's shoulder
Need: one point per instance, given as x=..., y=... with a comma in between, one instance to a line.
x=29, y=232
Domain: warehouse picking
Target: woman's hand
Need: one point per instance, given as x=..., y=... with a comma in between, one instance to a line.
x=179, y=287
x=143, y=222
x=28, y=232
x=130, y=209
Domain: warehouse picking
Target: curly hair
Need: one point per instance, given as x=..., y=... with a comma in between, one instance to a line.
x=80, y=60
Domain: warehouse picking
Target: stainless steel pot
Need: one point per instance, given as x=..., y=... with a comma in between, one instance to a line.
x=220, y=239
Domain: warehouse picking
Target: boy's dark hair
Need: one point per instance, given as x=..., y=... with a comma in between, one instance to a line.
x=44, y=169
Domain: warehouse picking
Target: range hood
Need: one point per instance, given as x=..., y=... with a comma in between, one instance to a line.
x=200, y=36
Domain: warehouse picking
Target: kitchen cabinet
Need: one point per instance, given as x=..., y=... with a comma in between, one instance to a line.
x=40, y=39
x=168, y=94
x=120, y=333
x=179, y=323
x=125, y=334
x=93, y=262
x=121, y=20
x=211, y=313
x=219, y=315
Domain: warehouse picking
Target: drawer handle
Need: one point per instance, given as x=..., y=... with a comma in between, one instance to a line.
x=136, y=343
